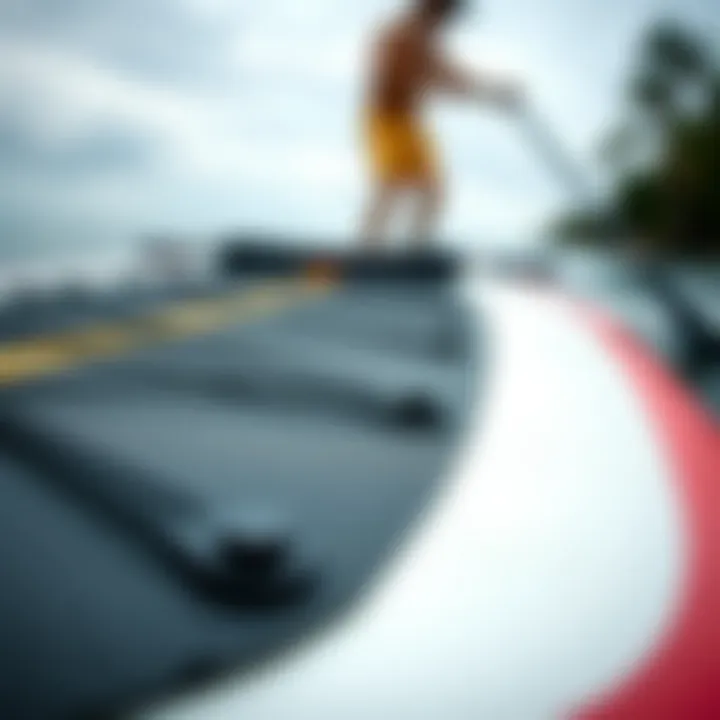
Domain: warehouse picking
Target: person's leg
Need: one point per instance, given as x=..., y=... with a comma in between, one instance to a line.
x=427, y=185
x=379, y=213
x=426, y=213
x=391, y=148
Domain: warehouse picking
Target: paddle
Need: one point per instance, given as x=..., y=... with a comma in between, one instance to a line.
x=701, y=340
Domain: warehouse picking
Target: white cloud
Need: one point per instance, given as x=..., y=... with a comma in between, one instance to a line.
x=65, y=96
x=334, y=59
x=212, y=9
x=303, y=167
x=482, y=210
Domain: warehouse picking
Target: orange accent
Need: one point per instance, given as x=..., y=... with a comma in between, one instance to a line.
x=323, y=271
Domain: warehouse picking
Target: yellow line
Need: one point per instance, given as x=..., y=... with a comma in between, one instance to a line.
x=27, y=360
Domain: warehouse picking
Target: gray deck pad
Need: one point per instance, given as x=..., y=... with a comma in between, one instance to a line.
x=289, y=416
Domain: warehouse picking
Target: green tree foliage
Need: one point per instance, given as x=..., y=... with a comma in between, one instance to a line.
x=665, y=156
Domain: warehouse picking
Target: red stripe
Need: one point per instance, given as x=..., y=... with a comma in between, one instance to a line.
x=681, y=677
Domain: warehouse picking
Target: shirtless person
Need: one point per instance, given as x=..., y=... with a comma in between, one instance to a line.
x=406, y=67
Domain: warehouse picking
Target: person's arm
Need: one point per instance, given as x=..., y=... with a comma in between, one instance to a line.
x=447, y=77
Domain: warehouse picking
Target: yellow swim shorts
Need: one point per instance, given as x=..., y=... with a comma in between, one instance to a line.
x=399, y=149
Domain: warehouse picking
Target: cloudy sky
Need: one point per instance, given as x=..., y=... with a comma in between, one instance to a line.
x=197, y=116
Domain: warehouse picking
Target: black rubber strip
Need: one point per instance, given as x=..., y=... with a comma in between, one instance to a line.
x=230, y=563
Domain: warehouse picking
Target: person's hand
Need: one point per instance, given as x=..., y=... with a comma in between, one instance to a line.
x=509, y=96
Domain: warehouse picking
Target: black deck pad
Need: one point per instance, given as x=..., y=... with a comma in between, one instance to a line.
x=252, y=256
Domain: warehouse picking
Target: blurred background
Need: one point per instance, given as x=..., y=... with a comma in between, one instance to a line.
x=185, y=120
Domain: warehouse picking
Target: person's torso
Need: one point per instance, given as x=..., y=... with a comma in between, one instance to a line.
x=400, y=72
